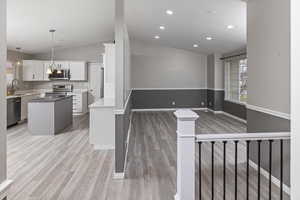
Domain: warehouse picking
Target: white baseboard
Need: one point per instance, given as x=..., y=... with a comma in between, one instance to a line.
x=215, y=112
x=4, y=187
x=163, y=109
x=235, y=117
x=228, y=115
x=119, y=175
x=104, y=147
x=176, y=197
x=275, y=180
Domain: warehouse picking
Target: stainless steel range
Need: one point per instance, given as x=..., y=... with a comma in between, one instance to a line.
x=60, y=89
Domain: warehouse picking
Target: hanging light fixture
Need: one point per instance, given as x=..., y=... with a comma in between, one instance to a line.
x=19, y=57
x=52, y=65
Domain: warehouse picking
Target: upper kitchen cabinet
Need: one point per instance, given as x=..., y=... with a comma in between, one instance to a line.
x=62, y=64
x=33, y=70
x=78, y=71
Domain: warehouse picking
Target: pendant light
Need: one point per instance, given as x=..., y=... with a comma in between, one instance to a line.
x=19, y=56
x=52, y=65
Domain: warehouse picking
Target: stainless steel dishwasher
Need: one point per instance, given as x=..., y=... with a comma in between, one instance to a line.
x=13, y=110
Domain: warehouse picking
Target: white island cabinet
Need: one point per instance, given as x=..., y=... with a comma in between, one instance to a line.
x=102, y=124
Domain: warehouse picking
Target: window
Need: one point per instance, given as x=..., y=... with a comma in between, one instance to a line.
x=236, y=80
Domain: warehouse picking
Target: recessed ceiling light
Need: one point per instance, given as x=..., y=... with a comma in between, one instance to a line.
x=211, y=12
x=209, y=38
x=169, y=12
x=230, y=27
x=162, y=28
x=156, y=37
x=195, y=45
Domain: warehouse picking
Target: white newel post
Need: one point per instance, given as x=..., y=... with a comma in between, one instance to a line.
x=185, y=154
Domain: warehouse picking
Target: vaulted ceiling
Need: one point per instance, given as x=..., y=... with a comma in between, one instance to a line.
x=83, y=22
x=192, y=21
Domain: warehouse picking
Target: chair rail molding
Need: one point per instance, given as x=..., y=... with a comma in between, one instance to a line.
x=269, y=111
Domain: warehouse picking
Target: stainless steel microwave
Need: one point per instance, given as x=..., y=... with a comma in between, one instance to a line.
x=63, y=75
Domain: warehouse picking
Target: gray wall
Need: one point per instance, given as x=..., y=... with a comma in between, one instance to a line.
x=215, y=72
x=262, y=122
x=122, y=127
x=238, y=110
x=211, y=71
x=269, y=70
x=215, y=99
x=154, y=99
x=269, y=54
x=123, y=85
x=89, y=53
x=155, y=66
x=3, y=52
x=215, y=82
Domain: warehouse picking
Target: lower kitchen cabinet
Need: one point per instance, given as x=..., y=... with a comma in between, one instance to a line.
x=80, y=102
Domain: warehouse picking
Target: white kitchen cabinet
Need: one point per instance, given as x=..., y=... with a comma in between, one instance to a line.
x=63, y=64
x=46, y=66
x=78, y=71
x=80, y=102
x=33, y=70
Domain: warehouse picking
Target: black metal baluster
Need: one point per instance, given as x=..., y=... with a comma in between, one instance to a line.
x=281, y=169
x=235, y=169
x=200, y=175
x=270, y=169
x=258, y=170
x=212, y=169
x=247, y=175
x=224, y=170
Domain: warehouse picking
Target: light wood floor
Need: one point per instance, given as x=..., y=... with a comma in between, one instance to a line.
x=65, y=167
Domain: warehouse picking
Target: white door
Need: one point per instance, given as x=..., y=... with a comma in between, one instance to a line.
x=95, y=82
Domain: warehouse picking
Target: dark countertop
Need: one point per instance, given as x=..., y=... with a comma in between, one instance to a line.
x=48, y=99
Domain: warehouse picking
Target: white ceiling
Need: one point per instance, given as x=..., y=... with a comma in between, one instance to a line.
x=191, y=22
x=83, y=22
x=78, y=22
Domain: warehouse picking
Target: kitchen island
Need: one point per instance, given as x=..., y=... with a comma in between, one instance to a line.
x=50, y=115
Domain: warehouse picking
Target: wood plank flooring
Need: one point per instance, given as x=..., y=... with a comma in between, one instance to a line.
x=65, y=167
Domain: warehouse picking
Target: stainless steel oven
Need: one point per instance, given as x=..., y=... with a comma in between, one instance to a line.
x=60, y=89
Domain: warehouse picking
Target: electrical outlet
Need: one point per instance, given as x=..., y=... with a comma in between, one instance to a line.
x=173, y=103
x=202, y=103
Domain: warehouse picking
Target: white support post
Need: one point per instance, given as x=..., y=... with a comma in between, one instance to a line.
x=185, y=154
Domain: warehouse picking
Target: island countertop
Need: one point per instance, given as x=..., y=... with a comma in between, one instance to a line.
x=50, y=99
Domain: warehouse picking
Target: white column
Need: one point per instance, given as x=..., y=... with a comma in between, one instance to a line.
x=295, y=99
x=185, y=154
x=4, y=183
